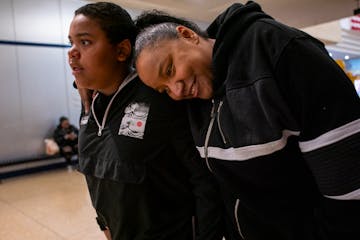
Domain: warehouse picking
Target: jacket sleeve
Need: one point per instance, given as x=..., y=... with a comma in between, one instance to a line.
x=209, y=205
x=75, y=129
x=59, y=136
x=327, y=110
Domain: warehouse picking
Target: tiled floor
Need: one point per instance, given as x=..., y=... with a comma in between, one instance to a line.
x=47, y=206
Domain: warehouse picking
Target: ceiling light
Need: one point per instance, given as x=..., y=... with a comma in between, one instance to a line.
x=346, y=57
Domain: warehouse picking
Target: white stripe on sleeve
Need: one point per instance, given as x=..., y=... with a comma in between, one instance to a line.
x=331, y=137
x=354, y=195
x=248, y=152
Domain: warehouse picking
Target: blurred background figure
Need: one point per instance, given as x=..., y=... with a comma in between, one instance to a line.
x=66, y=136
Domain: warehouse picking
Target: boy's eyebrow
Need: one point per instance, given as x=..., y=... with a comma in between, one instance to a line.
x=81, y=34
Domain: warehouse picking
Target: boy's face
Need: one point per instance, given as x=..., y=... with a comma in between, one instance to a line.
x=181, y=67
x=92, y=58
x=65, y=124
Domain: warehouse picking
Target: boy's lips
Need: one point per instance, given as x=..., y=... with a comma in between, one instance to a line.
x=76, y=68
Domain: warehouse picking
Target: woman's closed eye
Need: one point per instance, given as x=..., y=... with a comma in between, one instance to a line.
x=169, y=70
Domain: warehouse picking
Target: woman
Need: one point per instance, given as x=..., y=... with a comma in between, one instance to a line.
x=135, y=149
x=277, y=121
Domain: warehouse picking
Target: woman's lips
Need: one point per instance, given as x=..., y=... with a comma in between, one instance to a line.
x=193, y=88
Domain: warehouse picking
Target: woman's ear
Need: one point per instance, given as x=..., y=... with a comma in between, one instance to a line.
x=123, y=50
x=187, y=34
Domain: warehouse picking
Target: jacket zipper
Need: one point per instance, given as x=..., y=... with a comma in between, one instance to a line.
x=237, y=218
x=101, y=126
x=218, y=122
x=193, y=227
x=207, y=138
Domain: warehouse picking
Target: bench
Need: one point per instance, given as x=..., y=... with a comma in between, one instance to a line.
x=29, y=165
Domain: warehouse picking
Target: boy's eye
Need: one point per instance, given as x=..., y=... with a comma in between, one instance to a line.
x=85, y=42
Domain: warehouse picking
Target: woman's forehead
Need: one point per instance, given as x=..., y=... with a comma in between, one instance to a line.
x=150, y=58
x=168, y=45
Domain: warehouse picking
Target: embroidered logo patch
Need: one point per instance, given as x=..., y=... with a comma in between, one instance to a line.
x=84, y=120
x=134, y=121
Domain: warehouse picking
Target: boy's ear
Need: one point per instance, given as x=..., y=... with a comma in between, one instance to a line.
x=123, y=50
x=187, y=34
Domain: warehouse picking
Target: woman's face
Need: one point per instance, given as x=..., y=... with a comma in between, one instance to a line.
x=92, y=58
x=181, y=67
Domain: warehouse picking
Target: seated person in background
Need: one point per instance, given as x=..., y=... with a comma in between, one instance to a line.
x=66, y=136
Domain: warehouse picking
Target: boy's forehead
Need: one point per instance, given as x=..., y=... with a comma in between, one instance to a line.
x=83, y=26
x=83, y=22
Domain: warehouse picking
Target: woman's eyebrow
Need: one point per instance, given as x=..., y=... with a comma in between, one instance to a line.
x=162, y=64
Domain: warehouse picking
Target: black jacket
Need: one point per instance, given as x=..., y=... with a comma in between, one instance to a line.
x=59, y=135
x=144, y=174
x=282, y=134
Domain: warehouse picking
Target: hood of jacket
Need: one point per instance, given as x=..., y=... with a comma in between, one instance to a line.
x=226, y=29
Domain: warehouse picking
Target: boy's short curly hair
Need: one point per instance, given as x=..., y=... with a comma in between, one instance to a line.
x=113, y=20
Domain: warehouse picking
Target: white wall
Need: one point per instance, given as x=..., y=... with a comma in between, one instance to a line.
x=35, y=81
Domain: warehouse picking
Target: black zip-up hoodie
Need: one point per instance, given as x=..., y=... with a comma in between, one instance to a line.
x=282, y=133
x=144, y=174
